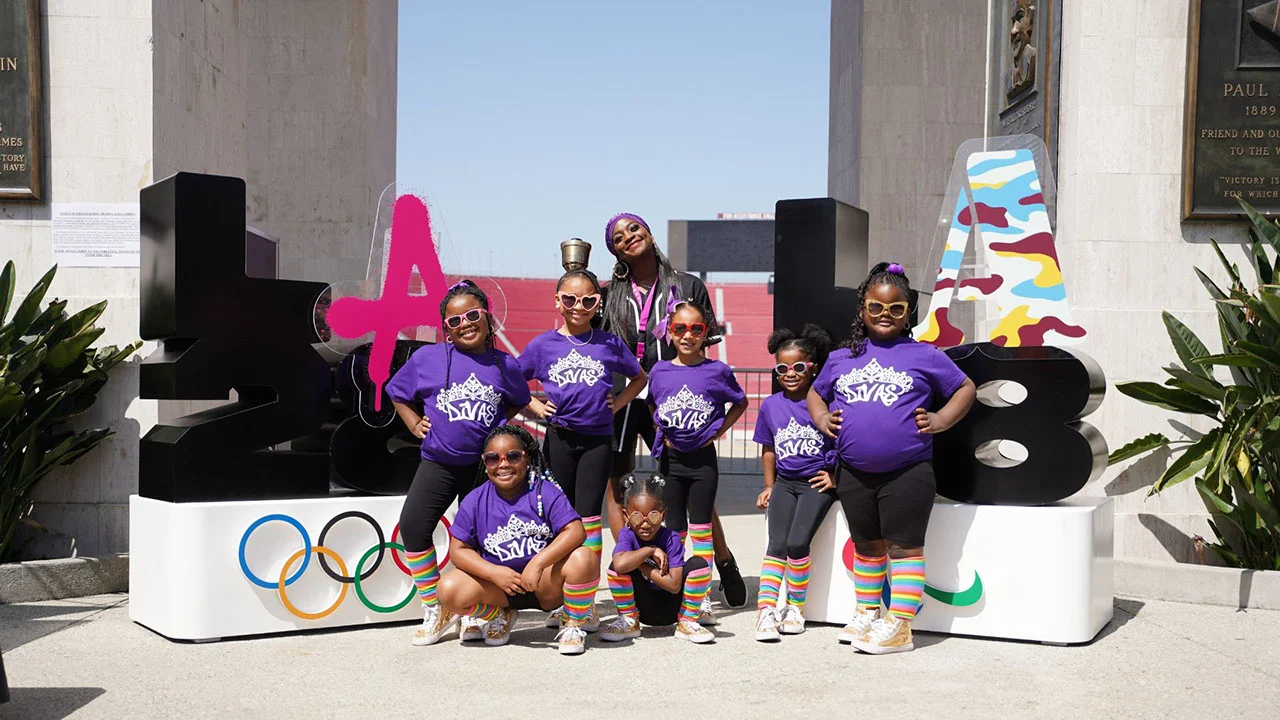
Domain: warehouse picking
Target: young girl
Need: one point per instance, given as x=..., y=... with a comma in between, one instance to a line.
x=797, y=482
x=687, y=397
x=576, y=365
x=649, y=578
x=466, y=388
x=873, y=397
x=643, y=283
x=517, y=544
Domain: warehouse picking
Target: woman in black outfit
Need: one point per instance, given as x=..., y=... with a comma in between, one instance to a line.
x=637, y=298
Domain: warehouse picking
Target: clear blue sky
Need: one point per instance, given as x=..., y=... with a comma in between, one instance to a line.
x=529, y=123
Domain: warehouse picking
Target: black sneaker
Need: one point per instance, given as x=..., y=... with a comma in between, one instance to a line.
x=731, y=584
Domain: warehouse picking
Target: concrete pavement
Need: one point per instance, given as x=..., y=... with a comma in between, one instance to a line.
x=83, y=658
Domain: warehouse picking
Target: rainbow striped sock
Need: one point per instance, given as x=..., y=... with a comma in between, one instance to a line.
x=578, y=600
x=422, y=566
x=868, y=578
x=702, y=546
x=798, y=580
x=482, y=612
x=624, y=593
x=770, y=581
x=594, y=543
x=696, y=586
x=906, y=585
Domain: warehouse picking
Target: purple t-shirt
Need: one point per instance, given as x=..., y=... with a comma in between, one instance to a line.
x=510, y=533
x=690, y=402
x=879, y=392
x=480, y=389
x=666, y=539
x=801, y=450
x=577, y=374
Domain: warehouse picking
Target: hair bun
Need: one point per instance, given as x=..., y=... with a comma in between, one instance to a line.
x=657, y=480
x=895, y=268
x=627, y=481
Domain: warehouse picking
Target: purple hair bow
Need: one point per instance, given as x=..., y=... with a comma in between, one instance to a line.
x=660, y=330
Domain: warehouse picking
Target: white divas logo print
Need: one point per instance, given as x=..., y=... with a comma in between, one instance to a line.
x=576, y=368
x=471, y=400
x=796, y=439
x=517, y=539
x=685, y=411
x=873, y=383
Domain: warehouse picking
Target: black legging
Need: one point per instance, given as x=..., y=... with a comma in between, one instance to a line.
x=795, y=512
x=657, y=606
x=692, y=479
x=580, y=464
x=434, y=488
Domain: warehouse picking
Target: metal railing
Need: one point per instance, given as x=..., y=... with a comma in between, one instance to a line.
x=739, y=454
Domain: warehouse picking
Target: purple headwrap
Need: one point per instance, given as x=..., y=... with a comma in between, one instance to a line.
x=608, y=229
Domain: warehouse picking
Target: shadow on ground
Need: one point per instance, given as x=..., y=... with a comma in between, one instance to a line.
x=47, y=703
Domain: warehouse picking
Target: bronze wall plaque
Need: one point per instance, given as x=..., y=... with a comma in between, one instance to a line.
x=20, y=100
x=1026, y=53
x=1231, y=147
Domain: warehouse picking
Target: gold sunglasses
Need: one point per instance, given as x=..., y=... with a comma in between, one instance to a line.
x=654, y=517
x=897, y=310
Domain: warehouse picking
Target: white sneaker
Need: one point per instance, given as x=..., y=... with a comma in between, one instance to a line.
x=572, y=639
x=436, y=623
x=889, y=634
x=792, y=621
x=472, y=629
x=767, y=624
x=860, y=625
x=558, y=617
x=707, y=617
x=499, y=631
x=623, y=627
x=693, y=632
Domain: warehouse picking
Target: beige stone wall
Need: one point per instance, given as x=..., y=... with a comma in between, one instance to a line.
x=298, y=98
x=906, y=90
x=1126, y=254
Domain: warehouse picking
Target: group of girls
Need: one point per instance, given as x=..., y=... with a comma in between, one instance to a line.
x=527, y=533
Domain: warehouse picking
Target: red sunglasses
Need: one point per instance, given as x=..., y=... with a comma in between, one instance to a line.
x=695, y=329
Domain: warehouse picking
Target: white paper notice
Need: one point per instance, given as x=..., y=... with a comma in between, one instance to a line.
x=96, y=234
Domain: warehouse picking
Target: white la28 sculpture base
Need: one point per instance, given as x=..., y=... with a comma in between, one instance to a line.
x=186, y=581
x=1045, y=572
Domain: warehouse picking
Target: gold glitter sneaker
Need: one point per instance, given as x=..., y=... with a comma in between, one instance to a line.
x=860, y=625
x=693, y=632
x=572, y=639
x=890, y=634
x=624, y=627
x=472, y=629
x=706, y=617
x=767, y=625
x=792, y=621
x=499, y=631
x=436, y=623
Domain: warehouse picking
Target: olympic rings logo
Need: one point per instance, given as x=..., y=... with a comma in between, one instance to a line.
x=355, y=579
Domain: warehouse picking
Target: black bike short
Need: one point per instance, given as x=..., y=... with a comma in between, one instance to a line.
x=892, y=506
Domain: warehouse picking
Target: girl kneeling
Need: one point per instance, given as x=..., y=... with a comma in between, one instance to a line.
x=517, y=544
x=649, y=578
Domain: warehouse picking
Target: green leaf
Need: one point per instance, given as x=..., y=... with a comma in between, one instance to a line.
x=1261, y=263
x=1268, y=355
x=1232, y=270
x=1168, y=398
x=30, y=306
x=1187, y=345
x=1191, y=461
x=8, y=279
x=65, y=352
x=1218, y=503
x=1207, y=388
x=1232, y=359
x=1141, y=446
x=1264, y=227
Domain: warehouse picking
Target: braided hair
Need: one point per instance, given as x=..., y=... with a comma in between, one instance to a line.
x=882, y=274
x=813, y=341
x=465, y=287
x=539, y=468
x=634, y=486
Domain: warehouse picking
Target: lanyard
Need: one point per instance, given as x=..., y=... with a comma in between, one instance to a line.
x=646, y=307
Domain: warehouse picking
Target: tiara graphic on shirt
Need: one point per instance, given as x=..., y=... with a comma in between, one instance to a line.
x=796, y=439
x=874, y=383
x=576, y=368
x=685, y=410
x=536, y=532
x=470, y=400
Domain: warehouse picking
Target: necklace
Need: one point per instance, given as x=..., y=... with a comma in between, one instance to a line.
x=584, y=342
